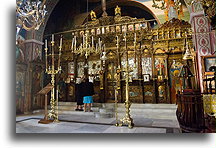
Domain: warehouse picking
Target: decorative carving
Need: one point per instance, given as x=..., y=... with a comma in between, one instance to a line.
x=153, y=59
x=175, y=23
x=93, y=15
x=118, y=11
x=209, y=9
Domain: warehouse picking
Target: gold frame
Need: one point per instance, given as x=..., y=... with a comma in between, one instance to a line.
x=207, y=73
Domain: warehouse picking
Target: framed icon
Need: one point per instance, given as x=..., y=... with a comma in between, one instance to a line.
x=118, y=29
x=124, y=28
x=146, y=77
x=93, y=31
x=107, y=29
x=208, y=62
x=137, y=27
x=130, y=27
x=98, y=31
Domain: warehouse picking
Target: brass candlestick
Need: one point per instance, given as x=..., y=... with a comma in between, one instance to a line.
x=127, y=120
x=52, y=71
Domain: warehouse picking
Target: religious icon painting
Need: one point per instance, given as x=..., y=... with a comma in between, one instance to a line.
x=107, y=30
x=178, y=34
x=118, y=29
x=161, y=90
x=98, y=31
x=71, y=68
x=172, y=34
x=160, y=35
x=112, y=29
x=124, y=28
x=80, y=69
x=165, y=34
x=208, y=62
x=130, y=27
x=137, y=27
x=93, y=31
x=147, y=65
x=143, y=25
x=146, y=77
x=94, y=67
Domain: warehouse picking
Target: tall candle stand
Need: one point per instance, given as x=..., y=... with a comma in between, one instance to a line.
x=127, y=120
x=117, y=87
x=51, y=70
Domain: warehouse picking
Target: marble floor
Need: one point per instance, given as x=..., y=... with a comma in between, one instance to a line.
x=87, y=123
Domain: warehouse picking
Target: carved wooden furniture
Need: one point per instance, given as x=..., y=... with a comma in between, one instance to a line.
x=157, y=53
x=44, y=92
x=190, y=113
x=209, y=101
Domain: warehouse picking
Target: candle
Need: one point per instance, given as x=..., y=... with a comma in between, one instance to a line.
x=45, y=43
x=52, y=37
x=96, y=47
x=72, y=44
x=104, y=47
x=61, y=42
x=99, y=43
x=116, y=95
x=92, y=41
x=75, y=42
x=135, y=37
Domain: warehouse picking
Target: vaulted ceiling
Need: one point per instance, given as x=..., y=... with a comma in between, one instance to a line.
x=69, y=13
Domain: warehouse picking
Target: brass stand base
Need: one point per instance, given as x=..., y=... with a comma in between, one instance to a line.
x=56, y=120
x=44, y=121
x=127, y=121
x=117, y=124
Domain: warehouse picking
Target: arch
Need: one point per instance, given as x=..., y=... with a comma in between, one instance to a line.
x=131, y=3
x=96, y=6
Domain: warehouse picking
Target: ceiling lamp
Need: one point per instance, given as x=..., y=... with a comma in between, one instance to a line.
x=30, y=14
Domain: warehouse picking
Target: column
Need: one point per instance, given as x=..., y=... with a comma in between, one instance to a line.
x=201, y=36
x=33, y=54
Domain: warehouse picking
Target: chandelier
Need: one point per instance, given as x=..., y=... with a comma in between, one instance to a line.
x=30, y=14
x=87, y=47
